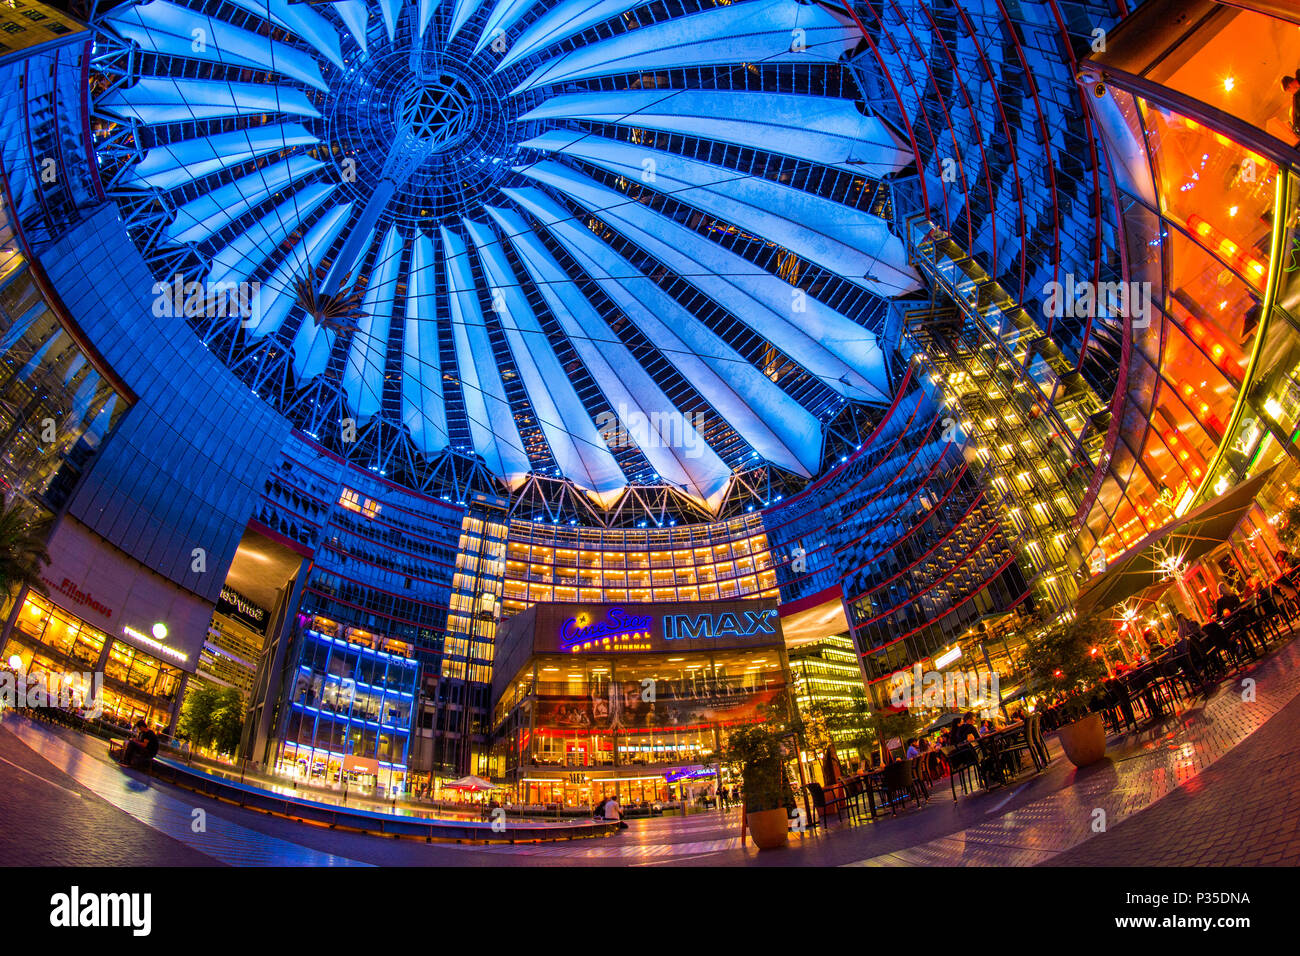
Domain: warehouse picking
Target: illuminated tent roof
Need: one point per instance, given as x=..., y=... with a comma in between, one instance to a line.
x=582, y=240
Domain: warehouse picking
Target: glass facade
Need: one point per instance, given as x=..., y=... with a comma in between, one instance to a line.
x=385, y=566
x=56, y=404
x=349, y=711
x=135, y=685
x=905, y=536
x=230, y=655
x=1205, y=173
x=632, y=713
x=803, y=362
x=705, y=562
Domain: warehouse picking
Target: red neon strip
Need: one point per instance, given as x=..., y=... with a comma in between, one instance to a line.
x=979, y=140
x=951, y=531
x=1047, y=142
x=894, y=480
x=297, y=548
x=1006, y=128
x=902, y=110
x=987, y=581
x=993, y=528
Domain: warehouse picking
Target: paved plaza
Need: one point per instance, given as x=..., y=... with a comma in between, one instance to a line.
x=1216, y=786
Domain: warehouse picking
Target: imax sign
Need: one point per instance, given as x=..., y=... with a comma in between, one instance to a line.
x=694, y=627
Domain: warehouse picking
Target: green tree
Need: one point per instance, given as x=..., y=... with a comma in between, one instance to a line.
x=845, y=722
x=22, y=549
x=1062, y=658
x=759, y=752
x=228, y=721
x=1291, y=527
x=886, y=725
x=213, y=717
x=196, y=714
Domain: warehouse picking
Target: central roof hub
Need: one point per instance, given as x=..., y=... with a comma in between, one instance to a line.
x=439, y=112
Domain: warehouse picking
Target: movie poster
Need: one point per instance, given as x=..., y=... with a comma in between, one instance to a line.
x=626, y=705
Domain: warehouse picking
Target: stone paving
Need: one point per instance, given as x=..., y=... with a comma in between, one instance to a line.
x=47, y=818
x=1176, y=754
x=1244, y=810
x=160, y=811
x=1216, y=786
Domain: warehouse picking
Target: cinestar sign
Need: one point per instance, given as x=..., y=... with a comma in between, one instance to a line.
x=694, y=627
x=582, y=630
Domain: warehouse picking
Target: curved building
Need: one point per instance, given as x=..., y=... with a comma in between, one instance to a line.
x=336, y=336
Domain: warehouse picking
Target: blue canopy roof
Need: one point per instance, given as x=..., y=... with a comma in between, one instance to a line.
x=533, y=234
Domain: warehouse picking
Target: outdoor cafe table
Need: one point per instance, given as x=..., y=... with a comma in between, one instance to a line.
x=1237, y=627
x=995, y=743
x=870, y=781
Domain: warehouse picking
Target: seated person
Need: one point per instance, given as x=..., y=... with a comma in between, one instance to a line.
x=140, y=749
x=1227, y=602
x=964, y=730
x=912, y=749
x=1187, y=628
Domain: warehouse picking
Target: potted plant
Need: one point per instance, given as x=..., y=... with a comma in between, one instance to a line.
x=757, y=750
x=1067, y=659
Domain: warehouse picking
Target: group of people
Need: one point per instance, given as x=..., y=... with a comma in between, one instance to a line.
x=611, y=810
x=966, y=726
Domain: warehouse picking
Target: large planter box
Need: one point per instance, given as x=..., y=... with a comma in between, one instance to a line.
x=769, y=828
x=1084, y=741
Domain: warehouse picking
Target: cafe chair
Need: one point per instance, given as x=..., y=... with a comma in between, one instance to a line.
x=991, y=766
x=1025, y=743
x=827, y=801
x=932, y=766
x=962, y=761
x=899, y=784
x=1271, y=618
x=854, y=788
x=1289, y=598
x=818, y=796
x=1038, y=743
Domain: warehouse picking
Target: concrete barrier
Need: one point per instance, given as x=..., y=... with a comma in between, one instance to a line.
x=369, y=821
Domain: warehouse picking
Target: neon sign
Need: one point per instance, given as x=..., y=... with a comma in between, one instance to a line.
x=681, y=627
x=156, y=647
x=619, y=627
x=688, y=773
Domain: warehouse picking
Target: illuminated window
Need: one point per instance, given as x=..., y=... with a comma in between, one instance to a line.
x=362, y=506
